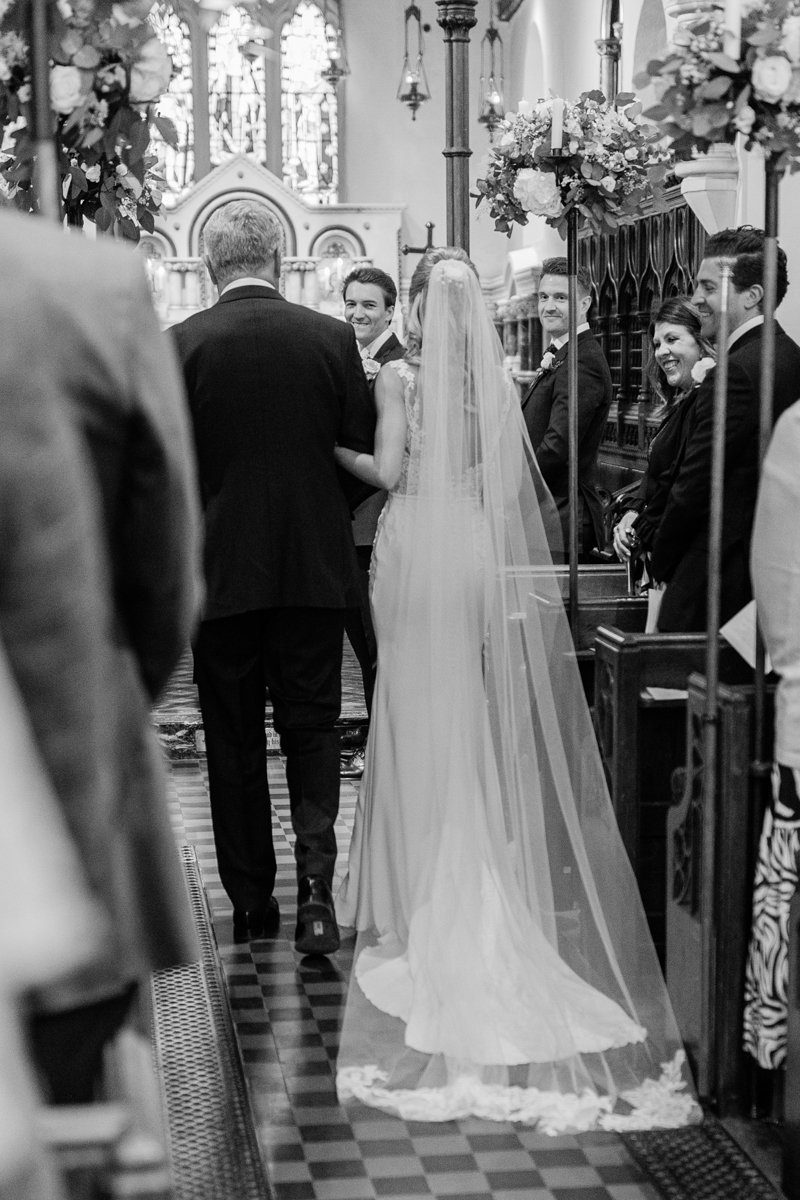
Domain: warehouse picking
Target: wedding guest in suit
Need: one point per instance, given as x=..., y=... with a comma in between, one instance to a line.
x=679, y=551
x=273, y=387
x=89, y=653
x=370, y=297
x=546, y=403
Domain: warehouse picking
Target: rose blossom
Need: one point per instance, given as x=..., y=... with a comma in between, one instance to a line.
x=771, y=76
x=745, y=118
x=701, y=368
x=66, y=89
x=538, y=192
x=608, y=183
x=150, y=73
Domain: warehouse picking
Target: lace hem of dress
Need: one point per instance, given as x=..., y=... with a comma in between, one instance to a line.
x=656, y=1104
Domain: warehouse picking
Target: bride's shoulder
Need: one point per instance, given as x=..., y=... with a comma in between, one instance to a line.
x=402, y=370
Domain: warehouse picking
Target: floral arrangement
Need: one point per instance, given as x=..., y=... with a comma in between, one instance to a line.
x=107, y=68
x=608, y=164
x=715, y=82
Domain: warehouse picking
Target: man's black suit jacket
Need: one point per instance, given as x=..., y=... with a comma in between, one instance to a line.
x=679, y=553
x=368, y=509
x=546, y=410
x=272, y=388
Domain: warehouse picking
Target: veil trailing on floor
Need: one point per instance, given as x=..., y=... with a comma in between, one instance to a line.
x=503, y=965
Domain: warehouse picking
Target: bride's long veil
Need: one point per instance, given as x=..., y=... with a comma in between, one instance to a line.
x=503, y=965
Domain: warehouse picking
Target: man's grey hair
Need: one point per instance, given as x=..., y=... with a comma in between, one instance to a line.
x=241, y=238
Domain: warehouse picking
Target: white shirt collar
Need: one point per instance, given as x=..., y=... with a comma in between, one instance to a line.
x=372, y=348
x=744, y=328
x=562, y=341
x=247, y=281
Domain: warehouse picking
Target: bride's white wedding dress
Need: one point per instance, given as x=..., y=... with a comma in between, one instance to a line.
x=485, y=979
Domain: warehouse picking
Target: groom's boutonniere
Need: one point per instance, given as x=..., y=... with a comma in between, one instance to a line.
x=371, y=368
x=701, y=368
x=547, y=361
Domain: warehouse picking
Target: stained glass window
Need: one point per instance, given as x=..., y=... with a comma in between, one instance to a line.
x=176, y=103
x=237, y=90
x=309, y=116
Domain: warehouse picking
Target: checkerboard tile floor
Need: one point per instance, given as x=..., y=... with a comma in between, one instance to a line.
x=286, y=1012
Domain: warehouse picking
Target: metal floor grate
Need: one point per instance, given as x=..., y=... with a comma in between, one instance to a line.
x=213, y=1148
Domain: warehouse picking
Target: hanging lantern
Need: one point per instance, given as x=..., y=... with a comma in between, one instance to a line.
x=337, y=66
x=491, y=106
x=413, y=90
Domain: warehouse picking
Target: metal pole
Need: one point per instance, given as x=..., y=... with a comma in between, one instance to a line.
x=707, y=1063
x=46, y=180
x=456, y=19
x=609, y=46
x=760, y=767
x=572, y=415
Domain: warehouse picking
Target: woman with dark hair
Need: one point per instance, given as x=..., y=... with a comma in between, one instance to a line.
x=503, y=966
x=679, y=359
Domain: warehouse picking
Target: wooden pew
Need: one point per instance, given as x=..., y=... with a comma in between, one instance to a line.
x=709, y=912
x=603, y=599
x=642, y=738
x=791, y=1128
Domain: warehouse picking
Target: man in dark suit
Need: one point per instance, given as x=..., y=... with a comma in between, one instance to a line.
x=680, y=548
x=272, y=388
x=546, y=403
x=370, y=296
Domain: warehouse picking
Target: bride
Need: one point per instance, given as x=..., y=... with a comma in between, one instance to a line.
x=503, y=966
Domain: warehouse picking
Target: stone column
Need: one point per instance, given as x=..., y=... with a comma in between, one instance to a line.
x=456, y=19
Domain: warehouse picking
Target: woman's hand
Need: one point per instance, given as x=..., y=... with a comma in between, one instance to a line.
x=625, y=539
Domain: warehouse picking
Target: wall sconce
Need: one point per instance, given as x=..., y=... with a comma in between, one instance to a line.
x=491, y=106
x=337, y=66
x=413, y=89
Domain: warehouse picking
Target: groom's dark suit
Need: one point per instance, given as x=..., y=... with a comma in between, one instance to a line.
x=358, y=623
x=272, y=388
x=545, y=408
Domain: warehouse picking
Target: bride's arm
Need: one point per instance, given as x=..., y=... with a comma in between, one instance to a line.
x=382, y=468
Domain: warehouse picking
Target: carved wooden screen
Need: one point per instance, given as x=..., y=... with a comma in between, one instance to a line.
x=632, y=271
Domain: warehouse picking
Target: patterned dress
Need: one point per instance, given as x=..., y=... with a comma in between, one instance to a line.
x=767, y=974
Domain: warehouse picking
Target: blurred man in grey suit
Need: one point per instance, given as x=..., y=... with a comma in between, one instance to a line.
x=81, y=343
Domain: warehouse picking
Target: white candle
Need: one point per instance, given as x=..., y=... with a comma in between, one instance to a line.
x=732, y=40
x=557, y=127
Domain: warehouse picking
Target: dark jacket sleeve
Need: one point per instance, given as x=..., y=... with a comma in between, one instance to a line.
x=552, y=452
x=157, y=550
x=686, y=513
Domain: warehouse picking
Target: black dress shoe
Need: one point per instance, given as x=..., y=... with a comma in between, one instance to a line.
x=257, y=922
x=317, y=931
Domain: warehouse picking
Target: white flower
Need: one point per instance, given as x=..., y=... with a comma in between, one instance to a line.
x=772, y=77
x=631, y=153
x=371, y=367
x=608, y=183
x=790, y=42
x=506, y=141
x=66, y=89
x=745, y=119
x=701, y=368
x=547, y=361
x=538, y=192
x=92, y=173
x=151, y=72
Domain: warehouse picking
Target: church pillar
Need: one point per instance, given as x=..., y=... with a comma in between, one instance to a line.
x=456, y=19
